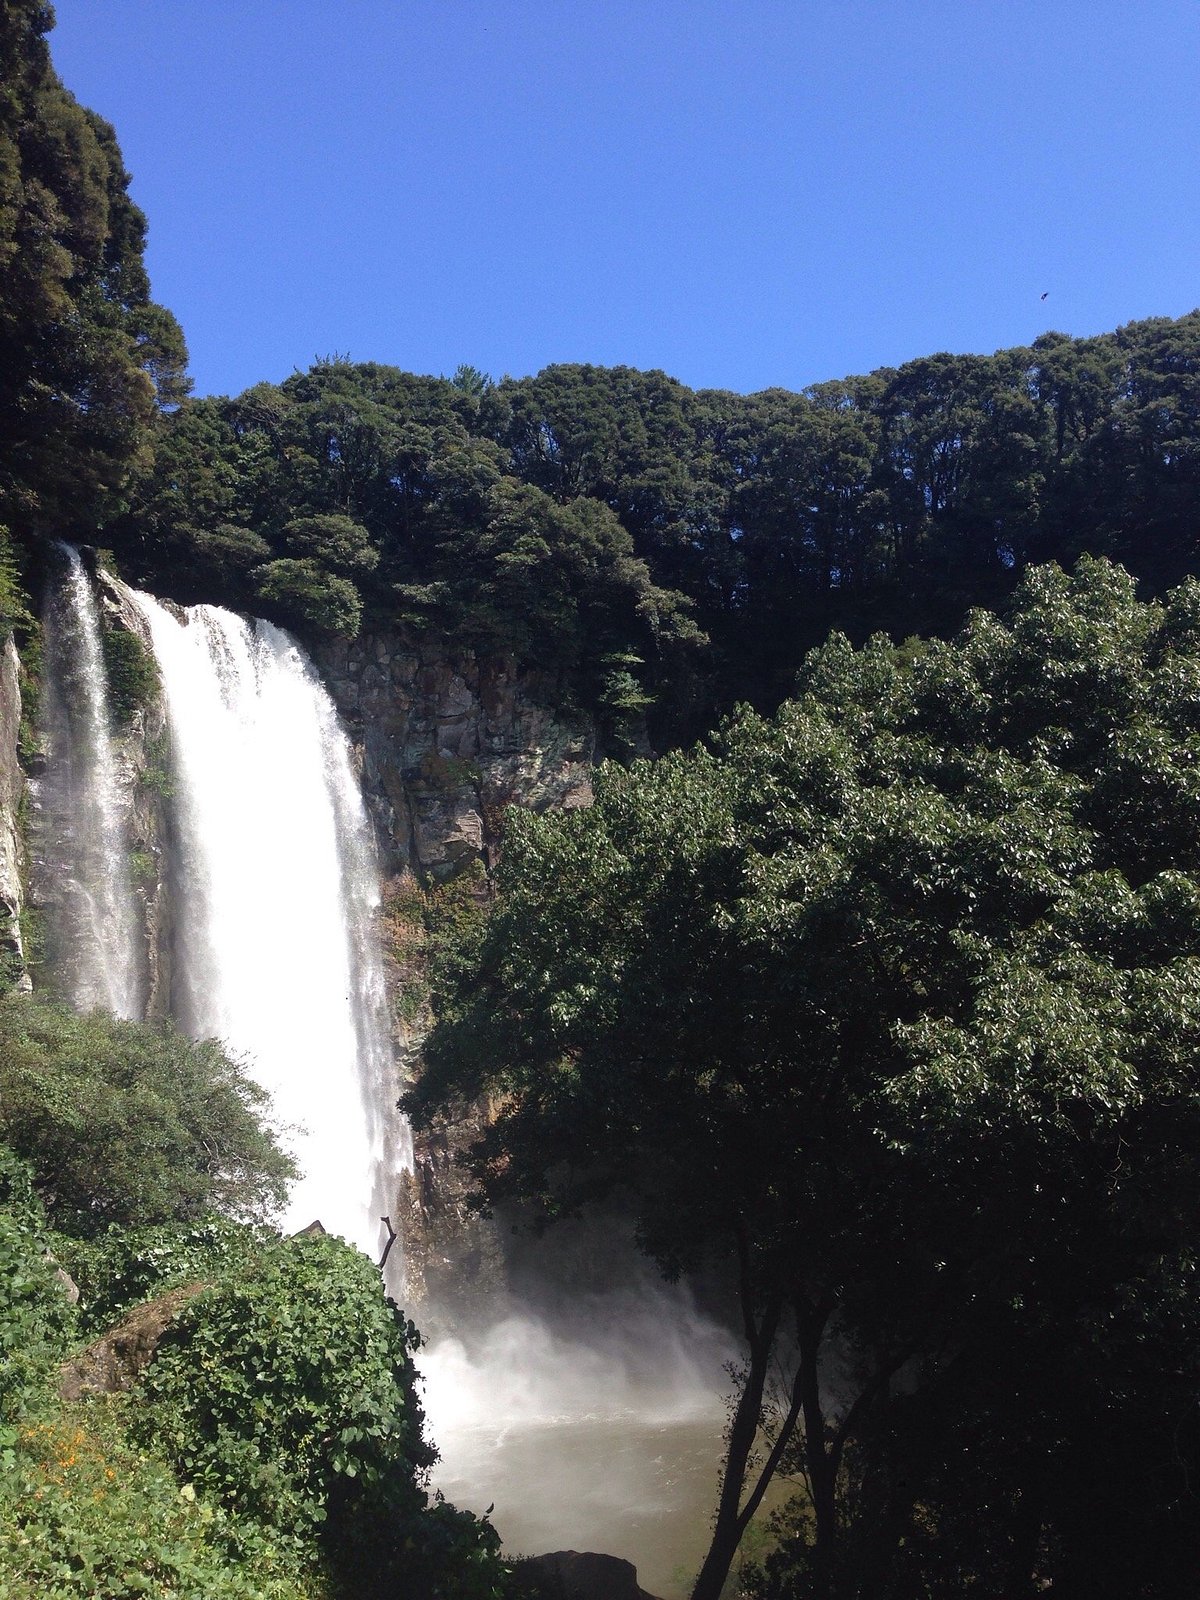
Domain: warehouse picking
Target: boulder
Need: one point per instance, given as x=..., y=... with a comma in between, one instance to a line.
x=114, y=1360
x=577, y=1575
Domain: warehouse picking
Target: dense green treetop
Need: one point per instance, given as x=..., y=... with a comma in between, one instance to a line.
x=894, y=1001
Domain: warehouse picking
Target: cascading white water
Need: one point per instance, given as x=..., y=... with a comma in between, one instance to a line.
x=81, y=823
x=276, y=890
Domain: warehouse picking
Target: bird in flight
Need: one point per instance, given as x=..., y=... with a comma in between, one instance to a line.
x=1045, y=292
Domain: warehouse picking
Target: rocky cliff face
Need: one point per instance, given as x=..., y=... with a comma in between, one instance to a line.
x=448, y=742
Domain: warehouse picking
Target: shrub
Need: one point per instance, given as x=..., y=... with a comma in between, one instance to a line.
x=86, y=1516
x=122, y=1122
x=126, y=1266
x=36, y=1320
x=286, y=1395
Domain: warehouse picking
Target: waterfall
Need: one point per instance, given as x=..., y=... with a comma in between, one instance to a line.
x=81, y=819
x=275, y=886
x=600, y=1427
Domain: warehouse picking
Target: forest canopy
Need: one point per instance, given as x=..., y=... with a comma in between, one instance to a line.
x=616, y=526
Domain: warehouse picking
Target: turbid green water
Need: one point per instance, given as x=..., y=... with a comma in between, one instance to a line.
x=602, y=1435
x=644, y=1490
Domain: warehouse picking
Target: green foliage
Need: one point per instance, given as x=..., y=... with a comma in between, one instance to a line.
x=128, y=1123
x=87, y=1515
x=286, y=1394
x=130, y=671
x=36, y=1320
x=893, y=1002
x=156, y=774
x=86, y=359
x=359, y=471
x=273, y=1450
x=143, y=869
x=577, y=518
x=12, y=963
x=424, y=924
x=622, y=702
x=337, y=542
x=32, y=922
x=471, y=381
x=15, y=613
x=279, y=1383
x=302, y=594
x=711, y=539
x=120, y=1268
x=30, y=684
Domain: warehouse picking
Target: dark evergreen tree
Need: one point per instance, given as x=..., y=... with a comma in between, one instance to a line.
x=87, y=360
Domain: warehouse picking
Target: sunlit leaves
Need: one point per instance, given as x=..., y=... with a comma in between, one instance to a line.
x=124, y=1122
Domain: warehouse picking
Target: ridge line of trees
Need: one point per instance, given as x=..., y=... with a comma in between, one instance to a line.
x=666, y=548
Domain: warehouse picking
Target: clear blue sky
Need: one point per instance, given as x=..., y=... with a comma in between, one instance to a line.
x=745, y=193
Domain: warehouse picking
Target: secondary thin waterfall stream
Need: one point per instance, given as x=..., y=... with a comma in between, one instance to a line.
x=276, y=889
x=81, y=824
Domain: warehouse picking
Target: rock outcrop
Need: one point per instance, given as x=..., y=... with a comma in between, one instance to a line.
x=112, y=1362
x=449, y=741
x=577, y=1575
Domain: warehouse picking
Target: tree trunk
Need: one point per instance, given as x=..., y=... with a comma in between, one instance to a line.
x=729, y=1525
x=822, y=1462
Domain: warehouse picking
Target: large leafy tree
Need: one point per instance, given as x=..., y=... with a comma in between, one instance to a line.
x=893, y=1002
